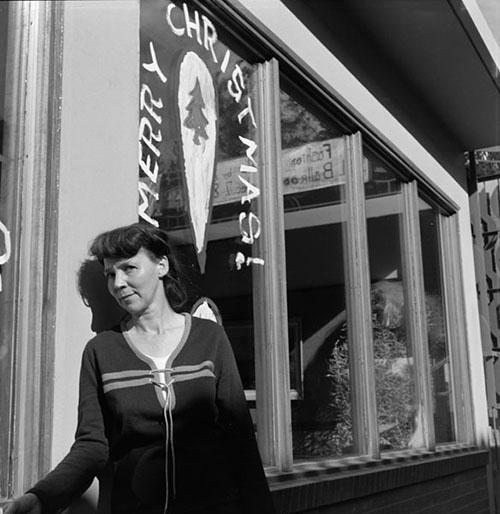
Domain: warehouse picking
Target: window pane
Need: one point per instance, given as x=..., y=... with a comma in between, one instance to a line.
x=198, y=127
x=393, y=358
x=313, y=187
x=437, y=336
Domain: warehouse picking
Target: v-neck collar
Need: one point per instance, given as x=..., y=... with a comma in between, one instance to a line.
x=145, y=358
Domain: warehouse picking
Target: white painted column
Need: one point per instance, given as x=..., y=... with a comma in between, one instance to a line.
x=98, y=172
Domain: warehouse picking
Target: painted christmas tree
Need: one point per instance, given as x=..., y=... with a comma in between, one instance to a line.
x=196, y=119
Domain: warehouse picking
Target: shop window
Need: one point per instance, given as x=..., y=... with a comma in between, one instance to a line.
x=308, y=244
x=394, y=364
x=313, y=176
x=198, y=164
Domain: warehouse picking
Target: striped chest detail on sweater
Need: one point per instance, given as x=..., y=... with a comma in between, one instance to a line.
x=135, y=378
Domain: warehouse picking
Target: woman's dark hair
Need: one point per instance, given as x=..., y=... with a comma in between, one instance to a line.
x=125, y=242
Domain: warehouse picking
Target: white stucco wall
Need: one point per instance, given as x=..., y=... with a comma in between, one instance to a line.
x=98, y=171
x=486, y=17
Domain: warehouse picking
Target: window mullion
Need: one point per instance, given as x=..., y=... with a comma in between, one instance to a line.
x=358, y=305
x=414, y=291
x=270, y=299
x=455, y=306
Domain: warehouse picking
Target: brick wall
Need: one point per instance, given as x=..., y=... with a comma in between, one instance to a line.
x=453, y=485
x=464, y=493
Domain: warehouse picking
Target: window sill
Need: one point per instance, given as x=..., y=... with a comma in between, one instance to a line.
x=320, y=483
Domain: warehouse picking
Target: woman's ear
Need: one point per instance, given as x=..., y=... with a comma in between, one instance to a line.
x=163, y=266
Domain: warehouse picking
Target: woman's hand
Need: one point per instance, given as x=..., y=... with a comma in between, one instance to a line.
x=25, y=504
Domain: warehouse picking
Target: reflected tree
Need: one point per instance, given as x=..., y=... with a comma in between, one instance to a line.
x=327, y=431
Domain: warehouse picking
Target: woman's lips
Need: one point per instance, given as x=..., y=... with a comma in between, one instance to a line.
x=125, y=296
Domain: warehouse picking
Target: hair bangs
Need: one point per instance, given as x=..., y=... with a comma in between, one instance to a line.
x=123, y=242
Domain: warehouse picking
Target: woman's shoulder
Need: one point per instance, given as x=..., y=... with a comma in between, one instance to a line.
x=105, y=339
x=208, y=331
x=205, y=326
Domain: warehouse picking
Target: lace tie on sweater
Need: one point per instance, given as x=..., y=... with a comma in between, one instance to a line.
x=169, y=434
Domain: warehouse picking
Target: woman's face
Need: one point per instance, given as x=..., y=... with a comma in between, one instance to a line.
x=136, y=282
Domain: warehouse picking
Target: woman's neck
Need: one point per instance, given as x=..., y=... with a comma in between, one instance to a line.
x=156, y=322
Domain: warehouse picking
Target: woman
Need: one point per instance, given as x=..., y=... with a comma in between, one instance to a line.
x=160, y=397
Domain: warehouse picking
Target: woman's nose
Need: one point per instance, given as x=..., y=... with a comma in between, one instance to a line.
x=119, y=280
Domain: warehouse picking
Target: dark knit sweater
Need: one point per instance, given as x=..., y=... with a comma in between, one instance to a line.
x=195, y=451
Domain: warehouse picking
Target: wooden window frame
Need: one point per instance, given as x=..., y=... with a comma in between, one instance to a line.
x=455, y=328
x=358, y=304
x=270, y=303
x=274, y=428
x=271, y=363
x=33, y=98
x=414, y=298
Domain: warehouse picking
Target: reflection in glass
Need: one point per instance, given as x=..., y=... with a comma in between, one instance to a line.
x=198, y=90
x=313, y=183
x=392, y=352
x=436, y=326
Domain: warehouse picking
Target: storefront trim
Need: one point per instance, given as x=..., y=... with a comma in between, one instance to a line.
x=456, y=329
x=32, y=170
x=275, y=443
x=415, y=297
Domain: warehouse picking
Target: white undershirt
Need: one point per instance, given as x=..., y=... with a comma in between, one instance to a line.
x=160, y=363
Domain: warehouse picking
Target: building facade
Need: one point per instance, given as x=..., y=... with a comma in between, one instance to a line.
x=309, y=164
